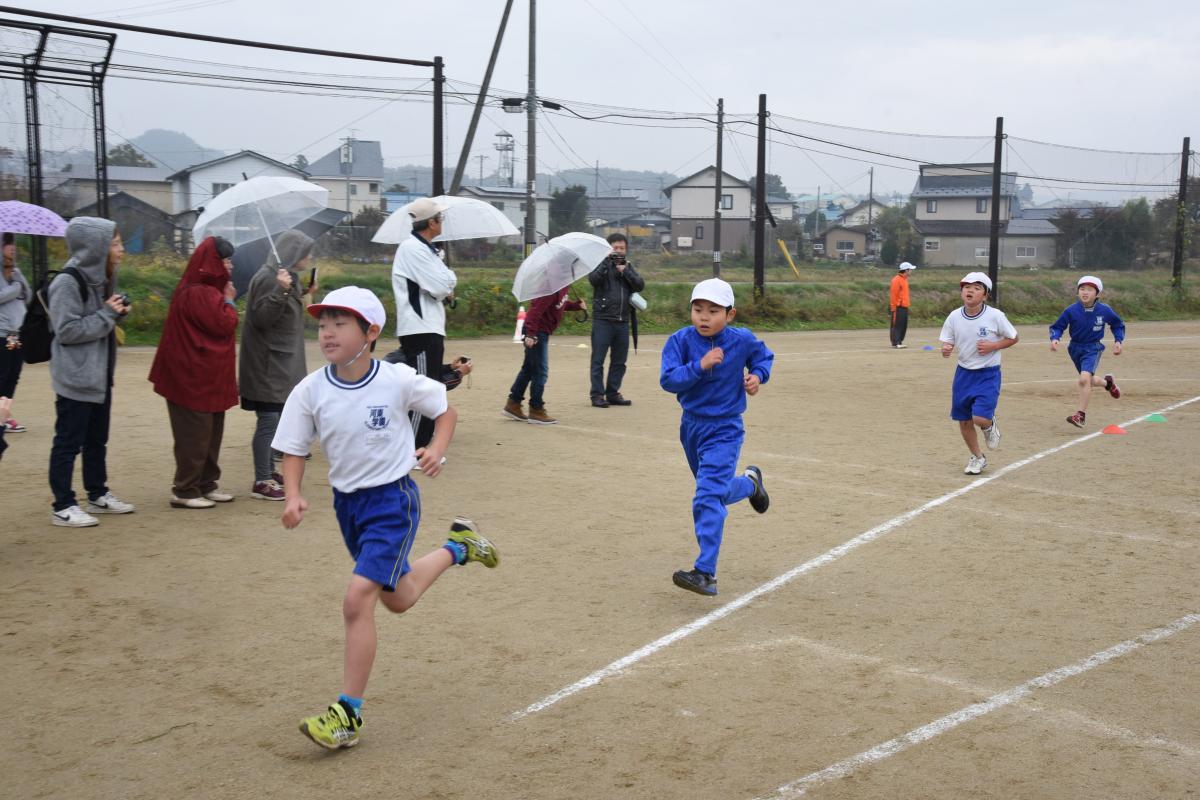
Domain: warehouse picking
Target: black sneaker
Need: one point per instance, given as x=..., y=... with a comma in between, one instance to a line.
x=598, y=401
x=759, y=501
x=696, y=581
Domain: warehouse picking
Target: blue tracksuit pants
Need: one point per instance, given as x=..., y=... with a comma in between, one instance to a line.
x=712, y=447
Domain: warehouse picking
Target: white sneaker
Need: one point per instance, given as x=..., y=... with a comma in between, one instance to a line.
x=991, y=436
x=219, y=497
x=191, y=502
x=109, y=504
x=902, y=346
x=73, y=517
x=975, y=465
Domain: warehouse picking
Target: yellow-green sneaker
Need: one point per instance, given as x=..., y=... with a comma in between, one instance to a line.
x=464, y=532
x=334, y=729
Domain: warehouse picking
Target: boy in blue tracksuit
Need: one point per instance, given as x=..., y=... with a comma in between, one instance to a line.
x=1086, y=320
x=711, y=368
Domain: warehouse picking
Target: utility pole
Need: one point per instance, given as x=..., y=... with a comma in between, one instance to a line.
x=994, y=241
x=717, y=187
x=1181, y=216
x=439, y=112
x=456, y=182
x=596, y=181
x=817, y=215
x=347, y=164
x=531, y=137
x=760, y=200
x=870, y=206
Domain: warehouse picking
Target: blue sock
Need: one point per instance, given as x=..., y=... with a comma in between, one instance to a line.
x=353, y=702
x=458, y=551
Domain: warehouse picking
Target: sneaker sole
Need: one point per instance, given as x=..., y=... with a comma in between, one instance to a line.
x=511, y=415
x=258, y=496
x=174, y=504
x=682, y=584
x=97, y=510
x=316, y=741
x=532, y=421
x=62, y=523
x=765, y=501
x=1073, y=422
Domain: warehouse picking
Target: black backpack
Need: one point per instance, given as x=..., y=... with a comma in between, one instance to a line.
x=37, y=332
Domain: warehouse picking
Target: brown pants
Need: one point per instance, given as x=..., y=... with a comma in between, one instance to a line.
x=197, y=445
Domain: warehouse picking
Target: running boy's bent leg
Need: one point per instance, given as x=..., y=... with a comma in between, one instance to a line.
x=713, y=448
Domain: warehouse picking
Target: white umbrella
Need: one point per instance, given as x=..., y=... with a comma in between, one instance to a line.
x=464, y=218
x=261, y=207
x=558, y=263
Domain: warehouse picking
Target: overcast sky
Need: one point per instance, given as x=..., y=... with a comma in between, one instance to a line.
x=1087, y=73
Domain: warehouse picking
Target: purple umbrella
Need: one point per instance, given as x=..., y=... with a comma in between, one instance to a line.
x=18, y=217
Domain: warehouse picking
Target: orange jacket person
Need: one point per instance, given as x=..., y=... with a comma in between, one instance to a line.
x=898, y=305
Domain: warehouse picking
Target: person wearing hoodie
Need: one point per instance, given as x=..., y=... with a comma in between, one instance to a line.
x=83, y=359
x=194, y=369
x=14, y=297
x=271, y=360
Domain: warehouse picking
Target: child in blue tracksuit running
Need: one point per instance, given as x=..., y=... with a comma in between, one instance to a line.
x=1086, y=320
x=711, y=368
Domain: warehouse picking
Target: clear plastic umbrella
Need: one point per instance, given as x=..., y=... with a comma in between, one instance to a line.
x=260, y=208
x=464, y=218
x=558, y=263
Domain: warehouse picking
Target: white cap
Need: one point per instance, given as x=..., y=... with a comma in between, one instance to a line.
x=906, y=266
x=424, y=208
x=1093, y=280
x=360, y=302
x=977, y=277
x=714, y=290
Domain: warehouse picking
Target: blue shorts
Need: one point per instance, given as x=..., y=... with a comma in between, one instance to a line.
x=379, y=525
x=1086, y=356
x=975, y=394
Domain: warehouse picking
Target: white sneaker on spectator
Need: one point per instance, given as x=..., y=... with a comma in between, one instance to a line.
x=219, y=497
x=191, y=502
x=73, y=517
x=109, y=504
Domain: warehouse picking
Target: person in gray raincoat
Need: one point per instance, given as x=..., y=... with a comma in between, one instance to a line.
x=271, y=359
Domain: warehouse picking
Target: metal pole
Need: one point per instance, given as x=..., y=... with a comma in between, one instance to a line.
x=101, y=145
x=1181, y=215
x=531, y=137
x=720, y=172
x=870, y=206
x=994, y=241
x=439, y=115
x=760, y=200
x=33, y=136
x=483, y=90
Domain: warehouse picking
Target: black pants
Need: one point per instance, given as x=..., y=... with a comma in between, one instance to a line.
x=79, y=426
x=608, y=335
x=11, y=363
x=899, y=324
x=423, y=352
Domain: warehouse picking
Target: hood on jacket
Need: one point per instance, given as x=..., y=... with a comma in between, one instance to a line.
x=88, y=240
x=205, y=266
x=292, y=247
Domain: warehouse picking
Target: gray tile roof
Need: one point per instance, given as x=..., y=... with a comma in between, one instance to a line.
x=1030, y=227
x=367, y=163
x=194, y=167
x=934, y=186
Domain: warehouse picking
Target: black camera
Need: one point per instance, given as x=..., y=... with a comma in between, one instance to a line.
x=123, y=299
x=618, y=259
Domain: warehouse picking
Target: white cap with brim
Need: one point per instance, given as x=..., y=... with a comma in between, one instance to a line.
x=424, y=208
x=362, y=303
x=977, y=277
x=906, y=266
x=1093, y=280
x=714, y=290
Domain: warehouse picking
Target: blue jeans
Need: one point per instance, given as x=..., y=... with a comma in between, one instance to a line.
x=79, y=426
x=608, y=335
x=535, y=371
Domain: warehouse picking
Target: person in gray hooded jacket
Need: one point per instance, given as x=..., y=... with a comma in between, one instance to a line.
x=271, y=359
x=83, y=358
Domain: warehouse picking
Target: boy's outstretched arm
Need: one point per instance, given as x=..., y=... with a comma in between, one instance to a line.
x=295, y=505
x=430, y=458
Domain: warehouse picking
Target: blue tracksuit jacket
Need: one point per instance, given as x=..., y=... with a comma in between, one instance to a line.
x=711, y=429
x=1087, y=330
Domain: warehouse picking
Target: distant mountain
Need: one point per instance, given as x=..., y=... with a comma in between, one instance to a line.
x=173, y=149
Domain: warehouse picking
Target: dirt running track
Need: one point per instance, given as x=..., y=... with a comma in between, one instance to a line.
x=171, y=653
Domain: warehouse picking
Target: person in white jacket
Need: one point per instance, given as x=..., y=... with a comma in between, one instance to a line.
x=421, y=282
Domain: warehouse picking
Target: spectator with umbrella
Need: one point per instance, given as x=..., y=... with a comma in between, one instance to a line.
x=15, y=295
x=194, y=370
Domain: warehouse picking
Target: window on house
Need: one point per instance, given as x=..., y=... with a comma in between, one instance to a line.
x=931, y=206
x=354, y=188
x=699, y=232
x=374, y=188
x=845, y=246
x=981, y=252
x=726, y=201
x=933, y=245
x=217, y=188
x=499, y=204
x=1026, y=252
x=981, y=206
x=522, y=207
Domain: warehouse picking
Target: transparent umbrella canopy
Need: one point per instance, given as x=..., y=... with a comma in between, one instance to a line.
x=558, y=263
x=464, y=218
x=260, y=208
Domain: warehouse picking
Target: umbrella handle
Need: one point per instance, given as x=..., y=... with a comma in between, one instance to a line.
x=263, y=220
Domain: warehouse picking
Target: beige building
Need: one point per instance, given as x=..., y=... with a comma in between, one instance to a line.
x=843, y=242
x=77, y=188
x=353, y=174
x=693, y=202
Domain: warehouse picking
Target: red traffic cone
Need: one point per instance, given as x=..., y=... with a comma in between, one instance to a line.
x=1115, y=429
x=517, y=334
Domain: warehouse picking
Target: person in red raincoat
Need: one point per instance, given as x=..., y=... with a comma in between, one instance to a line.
x=195, y=369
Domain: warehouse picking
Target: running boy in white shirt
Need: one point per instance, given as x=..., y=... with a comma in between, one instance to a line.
x=980, y=332
x=359, y=408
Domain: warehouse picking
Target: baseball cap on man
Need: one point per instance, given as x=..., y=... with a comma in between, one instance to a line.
x=977, y=277
x=1093, y=280
x=424, y=208
x=904, y=267
x=362, y=303
x=714, y=290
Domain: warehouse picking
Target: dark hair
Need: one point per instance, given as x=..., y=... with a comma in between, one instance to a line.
x=423, y=224
x=617, y=237
x=338, y=313
x=225, y=248
x=9, y=238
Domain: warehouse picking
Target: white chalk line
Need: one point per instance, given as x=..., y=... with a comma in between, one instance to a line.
x=951, y=721
x=825, y=558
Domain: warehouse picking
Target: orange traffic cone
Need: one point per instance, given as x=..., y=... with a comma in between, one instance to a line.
x=1114, y=429
x=517, y=334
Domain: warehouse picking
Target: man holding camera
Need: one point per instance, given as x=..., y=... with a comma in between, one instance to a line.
x=613, y=282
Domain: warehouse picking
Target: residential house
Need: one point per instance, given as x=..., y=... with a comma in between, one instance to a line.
x=954, y=219
x=692, y=211
x=353, y=174
x=77, y=187
x=390, y=201
x=844, y=241
x=193, y=187
x=140, y=223
x=512, y=201
x=623, y=204
x=646, y=230
x=783, y=209
x=864, y=213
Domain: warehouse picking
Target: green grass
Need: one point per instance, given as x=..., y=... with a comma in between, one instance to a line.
x=826, y=295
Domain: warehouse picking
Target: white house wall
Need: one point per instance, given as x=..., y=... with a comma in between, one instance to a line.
x=195, y=189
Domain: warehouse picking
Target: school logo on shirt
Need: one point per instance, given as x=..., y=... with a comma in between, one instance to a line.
x=377, y=418
x=983, y=331
x=1098, y=323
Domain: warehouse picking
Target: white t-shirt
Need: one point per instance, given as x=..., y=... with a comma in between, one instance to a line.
x=363, y=427
x=965, y=332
